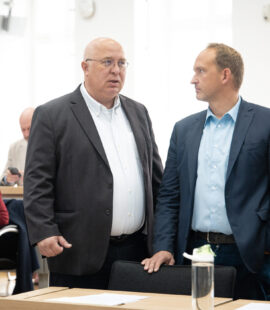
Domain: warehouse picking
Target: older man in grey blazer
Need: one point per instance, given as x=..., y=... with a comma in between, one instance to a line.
x=92, y=174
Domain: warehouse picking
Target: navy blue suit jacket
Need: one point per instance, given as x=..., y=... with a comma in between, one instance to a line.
x=247, y=188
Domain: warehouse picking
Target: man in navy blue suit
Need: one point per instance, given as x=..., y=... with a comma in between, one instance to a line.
x=216, y=185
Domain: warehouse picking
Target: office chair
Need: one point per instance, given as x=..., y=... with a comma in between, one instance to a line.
x=27, y=261
x=130, y=276
x=8, y=254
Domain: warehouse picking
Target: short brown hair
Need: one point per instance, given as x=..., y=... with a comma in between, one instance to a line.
x=227, y=57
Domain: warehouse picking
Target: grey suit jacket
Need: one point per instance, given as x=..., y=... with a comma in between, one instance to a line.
x=247, y=187
x=68, y=186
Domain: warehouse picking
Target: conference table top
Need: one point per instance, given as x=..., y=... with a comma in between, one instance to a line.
x=40, y=299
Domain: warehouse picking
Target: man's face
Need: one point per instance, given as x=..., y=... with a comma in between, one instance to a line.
x=207, y=77
x=104, y=83
x=25, y=127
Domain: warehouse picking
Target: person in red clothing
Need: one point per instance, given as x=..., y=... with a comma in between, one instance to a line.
x=4, y=216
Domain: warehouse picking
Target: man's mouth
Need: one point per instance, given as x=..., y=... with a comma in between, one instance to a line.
x=114, y=81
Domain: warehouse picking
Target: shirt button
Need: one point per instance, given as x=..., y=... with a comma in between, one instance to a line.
x=107, y=211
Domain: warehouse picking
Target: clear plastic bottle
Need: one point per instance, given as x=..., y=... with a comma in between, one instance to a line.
x=202, y=278
x=202, y=285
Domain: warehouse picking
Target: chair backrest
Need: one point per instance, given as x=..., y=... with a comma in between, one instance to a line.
x=8, y=228
x=130, y=276
x=8, y=235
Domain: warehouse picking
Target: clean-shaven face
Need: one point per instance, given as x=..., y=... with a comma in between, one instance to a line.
x=207, y=77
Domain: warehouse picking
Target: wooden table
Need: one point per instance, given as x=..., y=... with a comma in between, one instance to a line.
x=9, y=192
x=39, y=300
x=239, y=303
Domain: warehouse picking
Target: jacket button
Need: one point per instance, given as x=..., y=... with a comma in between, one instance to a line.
x=107, y=211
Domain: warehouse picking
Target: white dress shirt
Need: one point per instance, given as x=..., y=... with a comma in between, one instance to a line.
x=121, y=150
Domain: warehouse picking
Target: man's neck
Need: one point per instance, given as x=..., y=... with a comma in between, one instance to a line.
x=222, y=106
x=108, y=103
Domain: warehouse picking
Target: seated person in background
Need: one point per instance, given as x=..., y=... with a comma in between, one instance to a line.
x=4, y=217
x=17, y=152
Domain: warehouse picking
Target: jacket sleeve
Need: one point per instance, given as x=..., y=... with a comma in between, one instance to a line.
x=166, y=216
x=267, y=247
x=40, y=170
x=157, y=167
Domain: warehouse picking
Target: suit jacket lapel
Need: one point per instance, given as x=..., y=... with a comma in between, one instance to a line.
x=243, y=121
x=135, y=124
x=193, y=143
x=83, y=116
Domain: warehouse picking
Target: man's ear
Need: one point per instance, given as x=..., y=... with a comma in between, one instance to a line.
x=227, y=75
x=84, y=66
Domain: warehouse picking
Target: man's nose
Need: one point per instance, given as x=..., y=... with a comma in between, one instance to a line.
x=115, y=67
x=193, y=80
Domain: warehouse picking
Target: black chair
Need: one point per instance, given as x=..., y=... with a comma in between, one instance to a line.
x=26, y=257
x=130, y=276
x=8, y=255
x=8, y=236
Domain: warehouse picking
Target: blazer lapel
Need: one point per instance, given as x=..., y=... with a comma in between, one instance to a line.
x=132, y=115
x=83, y=116
x=193, y=143
x=243, y=121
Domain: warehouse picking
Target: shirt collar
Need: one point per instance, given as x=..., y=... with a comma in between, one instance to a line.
x=96, y=107
x=232, y=113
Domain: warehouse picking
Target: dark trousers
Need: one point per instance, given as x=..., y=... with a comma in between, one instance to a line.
x=264, y=277
x=248, y=285
x=134, y=249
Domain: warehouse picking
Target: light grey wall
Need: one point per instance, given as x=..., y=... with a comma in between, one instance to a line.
x=251, y=36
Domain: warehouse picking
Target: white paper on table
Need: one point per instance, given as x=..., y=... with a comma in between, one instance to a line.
x=255, y=306
x=105, y=299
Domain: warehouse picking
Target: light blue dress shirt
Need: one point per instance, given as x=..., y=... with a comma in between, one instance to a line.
x=209, y=212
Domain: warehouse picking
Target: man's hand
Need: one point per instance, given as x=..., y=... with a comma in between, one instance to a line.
x=53, y=246
x=12, y=178
x=153, y=263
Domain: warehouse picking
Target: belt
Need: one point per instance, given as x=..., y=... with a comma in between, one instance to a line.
x=214, y=238
x=124, y=237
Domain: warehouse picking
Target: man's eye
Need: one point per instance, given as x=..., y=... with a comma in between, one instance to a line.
x=107, y=62
x=121, y=63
